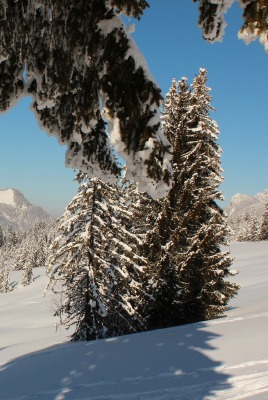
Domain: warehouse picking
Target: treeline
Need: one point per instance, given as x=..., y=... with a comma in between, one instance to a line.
x=23, y=251
x=249, y=226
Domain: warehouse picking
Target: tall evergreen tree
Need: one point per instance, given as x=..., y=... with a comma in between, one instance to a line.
x=205, y=292
x=263, y=235
x=1, y=237
x=27, y=277
x=93, y=264
x=159, y=246
x=11, y=238
x=80, y=65
x=4, y=274
x=189, y=269
x=236, y=233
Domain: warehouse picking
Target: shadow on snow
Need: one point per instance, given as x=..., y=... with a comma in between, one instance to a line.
x=164, y=364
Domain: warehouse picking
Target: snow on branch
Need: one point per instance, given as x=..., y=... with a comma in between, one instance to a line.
x=83, y=70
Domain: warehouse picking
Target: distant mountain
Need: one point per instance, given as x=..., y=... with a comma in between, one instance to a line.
x=18, y=212
x=242, y=202
x=263, y=196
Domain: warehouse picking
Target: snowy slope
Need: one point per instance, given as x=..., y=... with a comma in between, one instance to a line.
x=243, y=202
x=221, y=359
x=17, y=211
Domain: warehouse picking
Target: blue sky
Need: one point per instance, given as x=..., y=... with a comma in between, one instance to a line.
x=173, y=46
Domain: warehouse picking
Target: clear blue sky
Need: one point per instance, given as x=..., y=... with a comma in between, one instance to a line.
x=173, y=46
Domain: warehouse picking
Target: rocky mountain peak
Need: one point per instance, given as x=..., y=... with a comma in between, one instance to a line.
x=18, y=212
x=14, y=198
x=240, y=203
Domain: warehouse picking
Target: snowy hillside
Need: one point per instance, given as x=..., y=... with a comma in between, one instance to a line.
x=18, y=212
x=221, y=359
x=242, y=202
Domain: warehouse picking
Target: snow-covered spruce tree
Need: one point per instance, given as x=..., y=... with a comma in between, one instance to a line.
x=188, y=267
x=159, y=246
x=253, y=225
x=11, y=238
x=255, y=14
x=143, y=208
x=27, y=257
x=246, y=226
x=80, y=65
x=93, y=267
x=263, y=234
x=1, y=237
x=235, y=228
x=42, y=235
x=204, y=267
x=242, y=233
x=27, y=277
x=4, y=280
x=4, y=274
x=32, y=250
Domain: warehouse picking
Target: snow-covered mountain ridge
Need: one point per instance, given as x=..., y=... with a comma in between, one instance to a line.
x=18, y=212
x=243, y=202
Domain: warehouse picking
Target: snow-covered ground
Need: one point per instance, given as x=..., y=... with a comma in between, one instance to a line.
x=225, y=358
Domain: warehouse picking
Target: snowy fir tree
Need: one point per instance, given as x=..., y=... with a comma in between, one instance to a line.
x=255, y=15
x=245, y=226
x=4, y=274
x=159, y=246
x=1, y=237
x=263, y=233
x=252, y=225
x=235, y=224
x=32, y=248
x=27, y=277
x=188, y=267
x=11, y=238
x=26, y=250
x=27, y=257
x=4, y=280
x=42, y=235
x=245, y=231
x=83, y=70
x=93, y=265
x=205, y=292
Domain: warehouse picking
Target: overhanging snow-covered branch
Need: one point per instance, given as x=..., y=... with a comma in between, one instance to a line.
x=82, y=68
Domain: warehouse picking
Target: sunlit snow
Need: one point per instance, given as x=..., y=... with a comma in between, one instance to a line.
x=7, y=197
x=222, y=359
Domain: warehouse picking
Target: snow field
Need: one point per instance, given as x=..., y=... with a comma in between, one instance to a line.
x=222, y=359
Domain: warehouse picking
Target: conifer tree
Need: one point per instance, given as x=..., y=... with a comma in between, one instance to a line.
x=11, y=238
x=205, y=292
x=253, y=225
x=159, y=246
x=263, y=235
x=4, y=280
x=188, y=278
x=27, y=277
x=93, y=264
x=4, y=274
x=235, y=225
x=80, y=65
x=1, y=237
x=27, y=258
